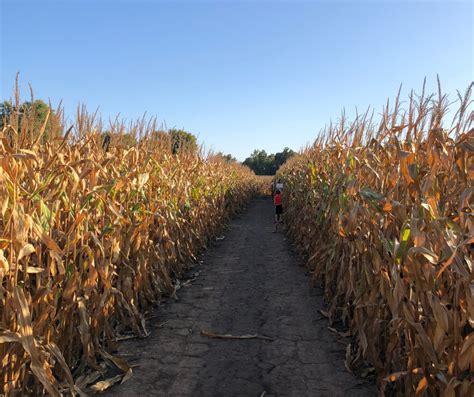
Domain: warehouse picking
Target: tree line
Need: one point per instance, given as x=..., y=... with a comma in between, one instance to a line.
x=32, y=116
x=39, y=113
x=267, y=164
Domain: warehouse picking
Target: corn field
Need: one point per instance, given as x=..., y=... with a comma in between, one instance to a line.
x=383, y=214
x=93, y=231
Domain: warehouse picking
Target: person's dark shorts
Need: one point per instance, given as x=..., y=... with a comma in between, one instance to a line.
x=279, y=209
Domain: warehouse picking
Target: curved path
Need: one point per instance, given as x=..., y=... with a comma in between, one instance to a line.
x=249, y=283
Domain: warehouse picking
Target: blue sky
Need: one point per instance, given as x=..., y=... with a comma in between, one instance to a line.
x=240, y=75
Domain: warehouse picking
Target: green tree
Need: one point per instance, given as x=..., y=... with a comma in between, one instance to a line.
x=259, y=162
x=174, y=139
x=182, y=140
x=6, y=110
x=227, y=157
x=38, y=111
x=31, y=118
x=267, y=164
x=282, y=157
x=158, y=136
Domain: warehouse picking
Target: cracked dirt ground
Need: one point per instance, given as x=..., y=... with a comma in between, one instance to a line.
x=249, y=283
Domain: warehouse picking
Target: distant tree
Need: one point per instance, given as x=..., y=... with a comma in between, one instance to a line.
x=251, y=161
x=230, y=159
x=267, y=164
x=35, y=113
x=259, y=162
x=38, y=111
x=282, y=157
x=6, y=110
x=127, y=139
x=182, y=140
x=174, y=139
x=159, y=136
x=227, y=157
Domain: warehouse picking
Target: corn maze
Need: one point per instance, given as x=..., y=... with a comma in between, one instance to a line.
x=92, y=232
x=96, y=229
x=383, y=214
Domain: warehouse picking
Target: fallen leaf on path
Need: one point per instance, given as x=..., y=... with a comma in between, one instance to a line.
x=186, y=283
x=367, y=371
x=126, y=337
x=211, y=334
x=342, y=334
x=86, y=379
x=160, y=325
x=324, y=313
x=105, y=384
x=119, y=362
x=348, y=360
x=127, y=376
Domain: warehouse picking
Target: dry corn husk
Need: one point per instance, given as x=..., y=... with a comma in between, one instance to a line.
x=384, y=215
x=91, y=235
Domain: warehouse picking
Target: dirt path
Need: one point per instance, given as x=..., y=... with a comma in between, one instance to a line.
x=249, y=283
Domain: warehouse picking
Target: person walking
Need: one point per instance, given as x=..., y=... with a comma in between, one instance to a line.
x=279, y=185
x=276, y=185
x=277, y=200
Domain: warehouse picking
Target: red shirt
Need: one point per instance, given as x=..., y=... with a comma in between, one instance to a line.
x=277, y=199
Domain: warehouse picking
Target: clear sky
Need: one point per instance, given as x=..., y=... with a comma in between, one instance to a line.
x=240, y=75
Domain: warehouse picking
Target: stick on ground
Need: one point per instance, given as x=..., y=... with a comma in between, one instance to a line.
x=211, y=334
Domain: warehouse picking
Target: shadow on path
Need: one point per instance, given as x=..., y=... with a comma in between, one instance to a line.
x=249, y=283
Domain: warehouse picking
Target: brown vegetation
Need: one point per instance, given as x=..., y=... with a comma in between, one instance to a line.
x=93, y=229
x=384, y=215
